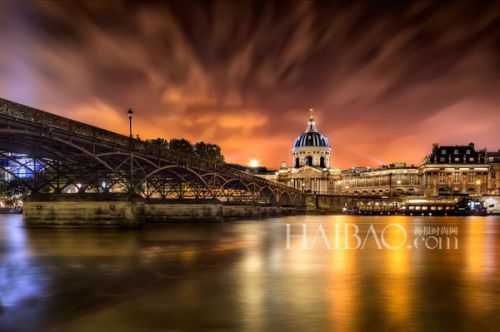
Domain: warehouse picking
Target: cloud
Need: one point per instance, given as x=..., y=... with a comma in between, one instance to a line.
x=386, y=80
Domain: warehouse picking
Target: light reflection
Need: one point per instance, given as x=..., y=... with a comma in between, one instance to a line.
x=17, y=275
x=398, y=287
x=240, y=276
x=479, y=265
x=342, y=280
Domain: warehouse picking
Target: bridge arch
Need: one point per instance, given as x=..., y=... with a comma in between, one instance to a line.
x=171, y=168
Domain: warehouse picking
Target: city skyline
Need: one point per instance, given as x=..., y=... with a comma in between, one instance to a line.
x=384, y=87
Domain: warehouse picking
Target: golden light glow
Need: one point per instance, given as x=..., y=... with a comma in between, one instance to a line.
x=253, y=163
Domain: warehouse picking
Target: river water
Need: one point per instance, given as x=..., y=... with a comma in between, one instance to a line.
x=251, y=275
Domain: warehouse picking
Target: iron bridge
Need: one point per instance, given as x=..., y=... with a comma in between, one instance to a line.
x=70, y=156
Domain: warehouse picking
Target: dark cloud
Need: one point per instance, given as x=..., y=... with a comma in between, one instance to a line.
x=387, y=79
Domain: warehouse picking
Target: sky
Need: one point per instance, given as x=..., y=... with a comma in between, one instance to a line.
x=386, y=81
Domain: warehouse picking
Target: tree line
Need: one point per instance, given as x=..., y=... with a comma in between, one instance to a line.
x=201, y=149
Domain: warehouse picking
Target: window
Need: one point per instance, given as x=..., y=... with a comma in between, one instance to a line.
x=470, y=177
x=322, y=162
x=412, y=179
x=467, y=152
x=442, y=177
x=309, y=161
x=457, y=177
x=457, y=159
x=442, y=159
x=297, y=163
x=455, y=152
x=471, y=159
x=443, y=151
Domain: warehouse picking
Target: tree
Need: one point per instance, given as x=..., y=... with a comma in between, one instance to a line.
x=181, y=145
x=202, y=150
x=159, y=143
x=15, y=187
x=209, y=151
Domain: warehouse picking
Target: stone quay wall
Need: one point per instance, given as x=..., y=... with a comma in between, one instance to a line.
x=332, y=204
x=111, y=212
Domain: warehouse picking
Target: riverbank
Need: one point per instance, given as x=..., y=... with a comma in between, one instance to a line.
x=120, y=211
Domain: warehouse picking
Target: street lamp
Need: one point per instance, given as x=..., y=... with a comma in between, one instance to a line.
x=130, y=114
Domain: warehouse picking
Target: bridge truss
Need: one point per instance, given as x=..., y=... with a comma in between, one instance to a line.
x=67, y=156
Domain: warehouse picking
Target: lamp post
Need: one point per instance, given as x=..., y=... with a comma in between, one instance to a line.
x=130, y=114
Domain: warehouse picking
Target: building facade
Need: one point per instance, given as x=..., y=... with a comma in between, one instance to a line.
x=455, y=170
x=388, y=180
x=493, y=160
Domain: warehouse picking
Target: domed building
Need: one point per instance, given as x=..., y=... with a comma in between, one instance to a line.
x=311, y=171
x=311, y=148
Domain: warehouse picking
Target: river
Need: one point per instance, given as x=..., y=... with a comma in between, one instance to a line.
x=390, y=273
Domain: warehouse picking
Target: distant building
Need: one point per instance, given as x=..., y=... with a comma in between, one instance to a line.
x=493, y=160
x=18, y=166
x=260, y=171
x=310, y=171
x=455, y=170
x=448, y=170
x=388, y=180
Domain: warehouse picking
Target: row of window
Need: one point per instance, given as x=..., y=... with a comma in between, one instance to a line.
x=398, y=180
x=443, y=159
x=456, y=177
x=309, y=161
x=456, y=151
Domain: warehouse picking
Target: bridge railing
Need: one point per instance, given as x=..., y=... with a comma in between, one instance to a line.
x=35, y=116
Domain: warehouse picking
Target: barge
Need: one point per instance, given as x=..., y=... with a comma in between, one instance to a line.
x=463, y=206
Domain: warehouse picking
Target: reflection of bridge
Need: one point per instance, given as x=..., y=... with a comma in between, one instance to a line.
x=73, y=156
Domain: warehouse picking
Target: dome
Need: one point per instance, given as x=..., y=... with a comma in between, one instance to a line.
x=311, y=137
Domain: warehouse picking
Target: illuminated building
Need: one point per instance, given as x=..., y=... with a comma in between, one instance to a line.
x=455, y=170
x=493, y=160
x=310, y=171
x=388, y=180
x=448, y=170
x=18, y=166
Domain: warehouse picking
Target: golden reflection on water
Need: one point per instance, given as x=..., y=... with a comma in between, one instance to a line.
x=397, y=286
x=481, y=266
x=241, y=276
x=342, y=281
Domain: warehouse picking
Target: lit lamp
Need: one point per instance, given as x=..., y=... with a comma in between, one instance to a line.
x=254, y=163
x=478, y=182
x=130, y=114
